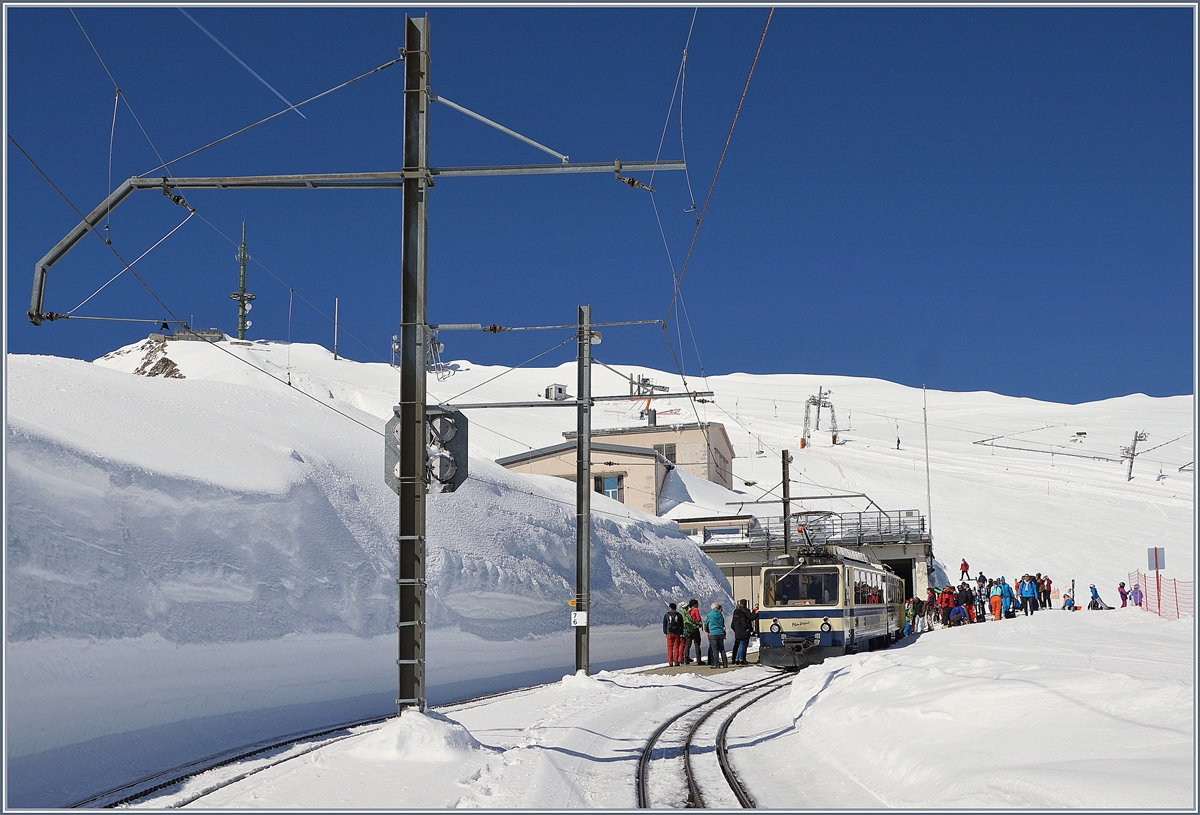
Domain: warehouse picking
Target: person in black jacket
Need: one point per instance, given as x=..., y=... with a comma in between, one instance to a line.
x=673, y=628
x=965, y=597
x=743, y=626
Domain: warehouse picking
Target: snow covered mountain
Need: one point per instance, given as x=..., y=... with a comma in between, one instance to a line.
x=200, y=554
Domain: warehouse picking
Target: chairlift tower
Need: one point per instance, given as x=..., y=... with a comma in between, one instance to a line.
x=242, y=296
x=1130, y=452
x=819, y=401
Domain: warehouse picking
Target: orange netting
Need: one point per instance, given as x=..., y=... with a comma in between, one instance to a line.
x=1165, y=596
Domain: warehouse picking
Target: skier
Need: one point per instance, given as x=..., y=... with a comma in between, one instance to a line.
x=1136, y=595
x=1068, y=603
x=965, y=569
x=1097, y=604
x=1124, y=595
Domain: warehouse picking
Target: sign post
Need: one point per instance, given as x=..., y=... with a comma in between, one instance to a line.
x=1157, y=559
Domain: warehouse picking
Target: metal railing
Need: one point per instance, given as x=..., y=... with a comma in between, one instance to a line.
x=857, y=528
x=846, y=528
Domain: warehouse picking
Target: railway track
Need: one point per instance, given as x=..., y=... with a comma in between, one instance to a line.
x=685, y=748
x=665, y=773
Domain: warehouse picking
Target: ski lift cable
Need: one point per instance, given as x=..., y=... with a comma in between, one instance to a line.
x=132, y=264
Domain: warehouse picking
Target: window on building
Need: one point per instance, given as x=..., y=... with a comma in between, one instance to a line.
x=613, y=486
x=667, y=451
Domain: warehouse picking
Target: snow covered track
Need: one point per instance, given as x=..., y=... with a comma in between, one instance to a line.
x=257, y=757
x=272, y=752
x=665, y=775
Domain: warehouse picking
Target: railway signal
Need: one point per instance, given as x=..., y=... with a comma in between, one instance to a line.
x=446, y=463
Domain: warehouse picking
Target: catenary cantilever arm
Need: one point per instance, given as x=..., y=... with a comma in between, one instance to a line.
x=377, y=180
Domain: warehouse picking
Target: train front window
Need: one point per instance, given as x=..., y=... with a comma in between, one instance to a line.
x=810, y=587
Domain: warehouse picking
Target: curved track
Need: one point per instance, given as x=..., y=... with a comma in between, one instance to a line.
x=668, y=753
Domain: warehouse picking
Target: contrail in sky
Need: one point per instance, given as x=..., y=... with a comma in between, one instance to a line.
x=244, y=65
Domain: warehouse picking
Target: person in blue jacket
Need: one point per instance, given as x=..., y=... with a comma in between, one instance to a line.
x=1007, y=597
x=1027, y=590
x=714, y=624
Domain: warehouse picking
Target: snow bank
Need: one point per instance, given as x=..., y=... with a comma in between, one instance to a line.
x=1057, y=710
x=427, y=737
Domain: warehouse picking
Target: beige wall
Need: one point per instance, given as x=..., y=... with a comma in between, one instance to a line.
x=643, y=475
x=691, y=450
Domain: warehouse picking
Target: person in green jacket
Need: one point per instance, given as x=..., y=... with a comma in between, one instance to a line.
x=691, y=632
x=714, y=624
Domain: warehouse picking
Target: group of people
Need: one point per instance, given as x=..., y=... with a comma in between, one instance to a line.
x=971, y=601
x=682, y=629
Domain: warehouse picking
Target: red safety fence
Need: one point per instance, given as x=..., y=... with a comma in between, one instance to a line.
x=1165, y=596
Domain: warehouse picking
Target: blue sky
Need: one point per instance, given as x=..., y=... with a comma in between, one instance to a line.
x=969, y=198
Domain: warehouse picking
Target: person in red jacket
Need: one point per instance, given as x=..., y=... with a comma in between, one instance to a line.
x=946, y=604
x=965, y=569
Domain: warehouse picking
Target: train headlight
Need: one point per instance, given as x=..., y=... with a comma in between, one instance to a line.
x=825, y=626
x=775, y=626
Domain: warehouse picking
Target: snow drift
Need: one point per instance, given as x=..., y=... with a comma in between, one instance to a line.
x=186, y=549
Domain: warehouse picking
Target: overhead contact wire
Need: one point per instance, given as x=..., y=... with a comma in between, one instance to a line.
x=272, y=116
x=508, y=371
x=117, y=87
x=721, y=161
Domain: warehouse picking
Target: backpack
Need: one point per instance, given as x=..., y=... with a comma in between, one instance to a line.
x=690, y=626
x=918, y=607
x=674, y=622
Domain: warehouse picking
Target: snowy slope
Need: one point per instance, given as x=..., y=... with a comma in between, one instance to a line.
x=209, y=559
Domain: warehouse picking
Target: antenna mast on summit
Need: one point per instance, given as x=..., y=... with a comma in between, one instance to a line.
x=242, y=296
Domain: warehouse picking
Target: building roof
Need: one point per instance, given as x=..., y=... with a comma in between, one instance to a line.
x=715, y=519
x=661, y=428
x=620, y=449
